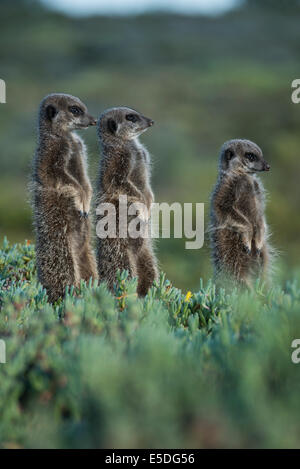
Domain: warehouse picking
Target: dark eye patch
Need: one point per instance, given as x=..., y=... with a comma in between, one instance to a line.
x=76, y=111
x=251, y=156
x=132, y=117
x=229, y=155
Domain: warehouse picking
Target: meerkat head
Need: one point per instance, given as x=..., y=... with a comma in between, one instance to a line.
x=123, y=123
x=62, y=113
x=243, y=156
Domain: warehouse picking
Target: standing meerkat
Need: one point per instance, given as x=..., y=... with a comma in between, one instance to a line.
x=62, y=196
x=125, y=170
x=238, y=227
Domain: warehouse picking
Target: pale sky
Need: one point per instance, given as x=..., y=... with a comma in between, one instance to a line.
x=85, y=7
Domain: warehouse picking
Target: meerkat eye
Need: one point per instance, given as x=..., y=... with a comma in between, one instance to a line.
x=75, y=110
x=132, y=117
x=251, y=156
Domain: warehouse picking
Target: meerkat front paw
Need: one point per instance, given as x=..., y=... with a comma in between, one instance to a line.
x=258, y=251
x=260, y=235
x=87, y=201
x=79, y=203
x=259, y=244
x=247, y=244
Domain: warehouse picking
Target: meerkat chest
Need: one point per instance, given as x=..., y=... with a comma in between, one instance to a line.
x=258, y=197
x=77, y=146
x=246, y=198
x=77, y=154
x=140, y=168
x=141, y=153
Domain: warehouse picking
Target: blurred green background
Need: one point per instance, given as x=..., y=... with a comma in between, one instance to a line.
x=202, y=79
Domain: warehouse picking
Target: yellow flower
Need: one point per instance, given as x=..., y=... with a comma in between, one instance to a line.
x=188, y=296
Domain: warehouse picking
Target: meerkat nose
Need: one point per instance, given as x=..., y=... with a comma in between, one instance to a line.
x=151, y=122
x=267, y=167
x=92, y=120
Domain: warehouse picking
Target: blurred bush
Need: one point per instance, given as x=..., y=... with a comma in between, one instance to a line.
x=202, y=370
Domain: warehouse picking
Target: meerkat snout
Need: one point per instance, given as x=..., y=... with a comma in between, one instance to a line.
x=93, y=121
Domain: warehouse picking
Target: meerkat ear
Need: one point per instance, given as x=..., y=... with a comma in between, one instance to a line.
x=51, y=112
x=112, y=126
x=229, y=154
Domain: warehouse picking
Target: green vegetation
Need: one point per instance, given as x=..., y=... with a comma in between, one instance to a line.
x=203, y=81
x=207, y=370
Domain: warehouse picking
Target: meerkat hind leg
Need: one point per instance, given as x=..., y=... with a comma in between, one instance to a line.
x=58, y=270
x=147, y=271
x=87, y=264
